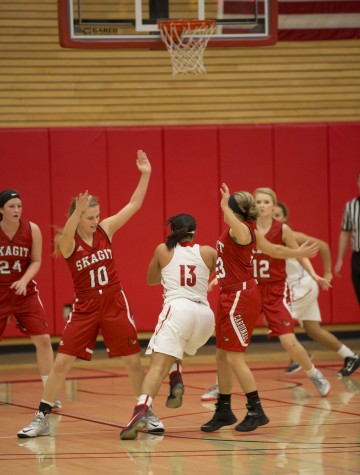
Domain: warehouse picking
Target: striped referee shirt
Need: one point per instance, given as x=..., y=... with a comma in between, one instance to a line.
x=351, y=222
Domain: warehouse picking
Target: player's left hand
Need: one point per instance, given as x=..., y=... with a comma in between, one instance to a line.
x=142, y=162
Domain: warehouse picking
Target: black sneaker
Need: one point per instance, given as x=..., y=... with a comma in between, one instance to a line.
x=351, y=364
x=253, y=419
x=176, y=392
x=222, y=417
x=292, y=368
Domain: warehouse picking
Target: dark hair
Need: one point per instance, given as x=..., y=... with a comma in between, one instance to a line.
x=284, y=209
x=182, y=226
x=243, y=203
x=5, y=196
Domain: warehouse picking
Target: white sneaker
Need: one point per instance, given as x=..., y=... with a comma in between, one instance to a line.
x=211, y=394
x=39, y=426
x=154, y=425
x=57, y=404
x=321, y=383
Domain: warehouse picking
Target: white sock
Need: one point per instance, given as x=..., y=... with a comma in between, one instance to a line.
x=344, y=352
x=311, y=372
x=145, y=399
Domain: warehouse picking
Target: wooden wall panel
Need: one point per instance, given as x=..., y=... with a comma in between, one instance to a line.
x=42, y=84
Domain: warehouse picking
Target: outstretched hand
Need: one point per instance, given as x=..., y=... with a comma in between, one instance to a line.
x=225, y=195
x=142, y=162
x=324, y=283
x=83, y=201
x=309, y=249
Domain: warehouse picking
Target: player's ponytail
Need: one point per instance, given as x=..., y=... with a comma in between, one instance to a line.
x=183, y=228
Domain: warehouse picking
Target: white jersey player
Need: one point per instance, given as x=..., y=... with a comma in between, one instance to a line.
x=186, y=321
x=304, y=293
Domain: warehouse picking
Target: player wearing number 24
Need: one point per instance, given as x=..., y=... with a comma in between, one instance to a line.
x=100, y=302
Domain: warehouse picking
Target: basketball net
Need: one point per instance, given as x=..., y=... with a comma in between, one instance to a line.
x=186, y=41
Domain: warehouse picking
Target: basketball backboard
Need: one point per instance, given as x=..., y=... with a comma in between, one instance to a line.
x=134, y=23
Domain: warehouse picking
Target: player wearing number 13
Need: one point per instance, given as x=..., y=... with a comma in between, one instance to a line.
x=100, y=302
x=186, y=321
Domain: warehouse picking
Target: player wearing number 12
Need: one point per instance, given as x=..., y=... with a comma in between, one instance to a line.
x=271, y=275
x=99, y=303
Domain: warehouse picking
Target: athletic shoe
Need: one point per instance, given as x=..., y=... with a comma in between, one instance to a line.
x=176, y=392
x=39, y=426
x=223, y=417
x=154, y=425
x=211, y=394
x=294, y=367
x=351, y=364
x=138, y=421
x=57, y=404
x=254, y=418
x=321, y=383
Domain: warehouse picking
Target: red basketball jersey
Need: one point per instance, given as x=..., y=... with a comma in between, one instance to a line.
x=93, y=267
x=234, y=261
x=268, y=269
x=15, y=256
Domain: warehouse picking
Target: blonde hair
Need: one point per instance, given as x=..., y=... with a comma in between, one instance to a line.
x=247, y=205
x=267, y=191
x=93, y=202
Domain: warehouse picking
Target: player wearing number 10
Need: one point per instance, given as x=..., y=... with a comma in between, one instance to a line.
x=100, y=302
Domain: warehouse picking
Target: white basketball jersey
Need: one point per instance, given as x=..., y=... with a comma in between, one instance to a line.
x=295, y=271
x=186, y=275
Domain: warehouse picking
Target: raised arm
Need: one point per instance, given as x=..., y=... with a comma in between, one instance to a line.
x=115, y=222
x=239, y=232
x=66, y=240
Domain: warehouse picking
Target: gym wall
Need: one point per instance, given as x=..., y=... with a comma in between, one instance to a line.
x=312, y=168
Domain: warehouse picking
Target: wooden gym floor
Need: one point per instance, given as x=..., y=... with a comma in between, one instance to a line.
x=307, y=434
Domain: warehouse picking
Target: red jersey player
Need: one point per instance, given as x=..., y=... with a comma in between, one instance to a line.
x=239, y=306
x=271, y=276
x=99, y=302
x=20, y=260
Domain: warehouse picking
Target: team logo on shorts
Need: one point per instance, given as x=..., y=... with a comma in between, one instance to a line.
x=131, y=342
x=226, y=338
x=285, y=323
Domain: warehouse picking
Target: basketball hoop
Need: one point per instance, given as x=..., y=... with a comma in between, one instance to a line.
x=186, y=41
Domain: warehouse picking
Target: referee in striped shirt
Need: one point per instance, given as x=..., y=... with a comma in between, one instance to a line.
x=350, y=227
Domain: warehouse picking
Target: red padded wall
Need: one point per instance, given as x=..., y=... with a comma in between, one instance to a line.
x=344, y=146
x=301, y=179
x=78, y=163
x=25, y=166
x=246, y=157
x=312, y=167
x=134, y=243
